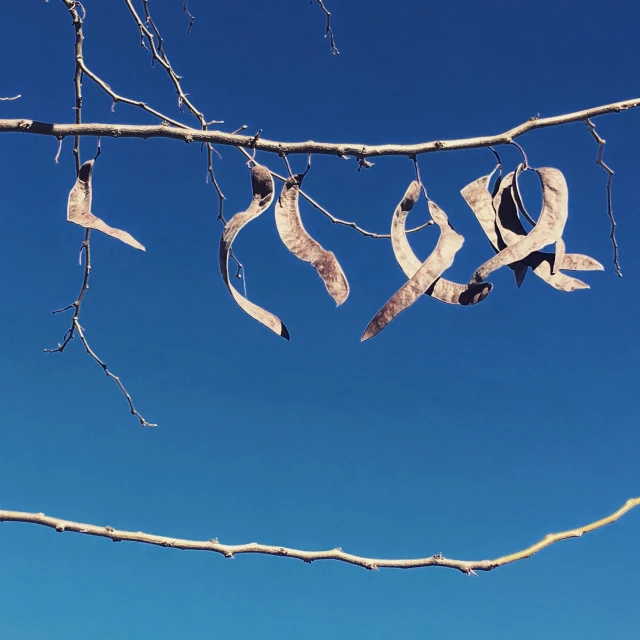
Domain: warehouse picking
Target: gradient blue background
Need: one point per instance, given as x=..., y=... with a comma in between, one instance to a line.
x=471, y=432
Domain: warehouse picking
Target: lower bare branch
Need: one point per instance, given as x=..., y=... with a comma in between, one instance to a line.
x=468, y=567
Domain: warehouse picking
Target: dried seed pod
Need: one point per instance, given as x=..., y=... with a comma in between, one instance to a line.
x=511, y=230
x=263, y=189
x=548, y=228
x=560, y=246
x=484, y=206
x=296, y=238
x=79, y=208
x=441, y=258
x=480, y=201
x=443, y=290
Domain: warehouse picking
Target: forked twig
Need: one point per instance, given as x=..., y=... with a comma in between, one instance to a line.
x=469, y=567
x=601, y=142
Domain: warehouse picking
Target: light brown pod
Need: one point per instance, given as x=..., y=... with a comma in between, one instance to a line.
x=480, y=201
x=511, y=230
x=441, y=258
x=560, y=248
x=79, y=208
x=548, y=228
x=263, y=189
x=442, y=290
x=296, y=238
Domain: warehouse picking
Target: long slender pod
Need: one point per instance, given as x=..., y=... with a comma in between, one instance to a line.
x=263, y=189
x=296, y=238
x=441, y=258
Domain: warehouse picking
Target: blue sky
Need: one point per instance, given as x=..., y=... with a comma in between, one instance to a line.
x=472, y=432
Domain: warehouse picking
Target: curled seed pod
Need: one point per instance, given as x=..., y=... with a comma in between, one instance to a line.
x=296, y=238
x=512, y=231
x=262, y=188
x=443, y=290
x=441, y=258
x=480, y=201
x=79, y=208
x=560, y=246
x=548, y=228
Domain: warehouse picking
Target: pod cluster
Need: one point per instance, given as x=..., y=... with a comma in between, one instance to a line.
x=500, y=212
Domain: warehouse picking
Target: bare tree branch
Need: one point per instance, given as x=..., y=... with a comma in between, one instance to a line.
x=12, y=98
x=465, y=566
x=340, y=149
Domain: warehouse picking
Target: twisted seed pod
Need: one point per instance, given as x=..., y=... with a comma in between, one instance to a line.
x=79, y=208
x=484, y=205
x=512, y=231
x=262, y=188
x=560, y=246
x=296, y=238
x=441, y=258
x=480, y=202
x=443, y=290
x=548, y=228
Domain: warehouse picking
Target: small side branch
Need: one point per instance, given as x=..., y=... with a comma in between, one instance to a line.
x=12, y=98
x=469, y=567
x=601, y=142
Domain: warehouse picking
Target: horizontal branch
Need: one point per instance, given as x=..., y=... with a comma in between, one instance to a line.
x=358, y=150
x=438, y=560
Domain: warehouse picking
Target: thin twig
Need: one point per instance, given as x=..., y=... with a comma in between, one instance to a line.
x=158, y=54
x=346, y=223
x=12, y=98
x=85, y=248
x=328, y=32
x=192, y=18
x=339, y=149
x=115, y=378
x=469, y=567
x=601, y=142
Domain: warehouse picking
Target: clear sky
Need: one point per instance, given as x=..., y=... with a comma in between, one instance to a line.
x=472, y=432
